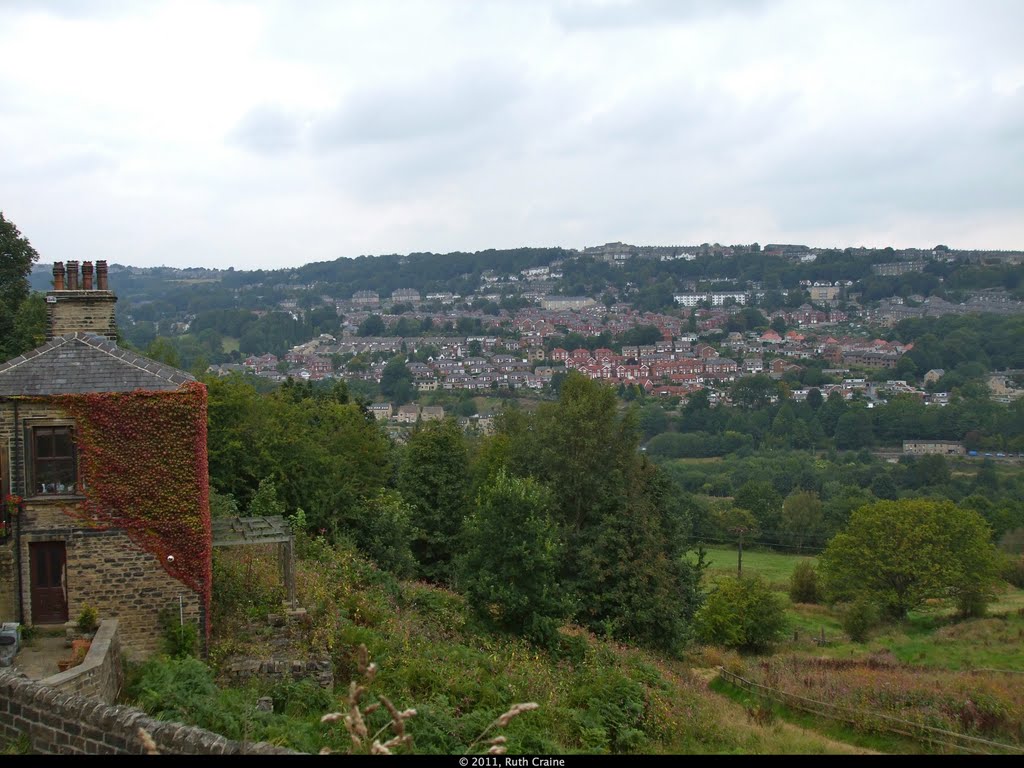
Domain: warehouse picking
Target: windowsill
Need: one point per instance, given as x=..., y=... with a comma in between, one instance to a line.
x=44, y=497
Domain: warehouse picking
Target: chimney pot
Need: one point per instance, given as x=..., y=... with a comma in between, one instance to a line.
x=101, y=276
x=58, y=276
x=86, y=275
x=72, y=275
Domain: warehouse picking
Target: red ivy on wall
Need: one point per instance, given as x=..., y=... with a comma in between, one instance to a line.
x=143, y=460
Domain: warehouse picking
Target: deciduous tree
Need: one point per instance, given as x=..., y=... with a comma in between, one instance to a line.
x=902, y=554
x=16, y=259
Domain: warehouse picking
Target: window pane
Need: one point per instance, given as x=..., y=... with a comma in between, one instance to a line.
x=44, y=443
x=62, y=445
x=54, y=469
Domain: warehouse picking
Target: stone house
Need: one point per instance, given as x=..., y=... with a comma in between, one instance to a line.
x=66, y=545
x=408, y=414
x=432, y=413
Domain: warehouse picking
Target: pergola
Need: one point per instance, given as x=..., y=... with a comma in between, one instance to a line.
x=250, y=531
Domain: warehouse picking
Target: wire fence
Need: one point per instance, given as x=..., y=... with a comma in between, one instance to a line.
x=876, y=721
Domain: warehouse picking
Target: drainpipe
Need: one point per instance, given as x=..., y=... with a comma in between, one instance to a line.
x=15, y=463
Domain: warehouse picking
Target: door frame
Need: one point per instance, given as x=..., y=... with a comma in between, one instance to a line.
x=41, y=569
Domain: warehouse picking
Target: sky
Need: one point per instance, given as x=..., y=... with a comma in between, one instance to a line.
x=274, y=133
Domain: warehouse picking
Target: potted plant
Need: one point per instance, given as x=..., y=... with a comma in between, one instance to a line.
x=79, y=650
x=88, y=621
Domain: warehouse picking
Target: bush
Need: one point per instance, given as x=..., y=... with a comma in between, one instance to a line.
x=742, y=613
x=803, y=584
x=180, y=641
x=971, y=603
x=1013, y=570
x=859, y=618
x=88, y=619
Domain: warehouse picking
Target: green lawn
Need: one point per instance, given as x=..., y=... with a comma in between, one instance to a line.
x=931, y=639
x=773, y=567
x=228, y=344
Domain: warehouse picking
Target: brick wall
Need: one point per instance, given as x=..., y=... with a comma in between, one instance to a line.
x=57, y=722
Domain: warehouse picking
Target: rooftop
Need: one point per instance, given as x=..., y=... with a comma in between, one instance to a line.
x=82, y=362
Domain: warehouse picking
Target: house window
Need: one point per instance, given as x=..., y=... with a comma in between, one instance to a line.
x=54, y=469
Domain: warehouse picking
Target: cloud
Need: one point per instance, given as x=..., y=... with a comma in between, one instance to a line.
x=447, y=103
x=267, y=129
x=576, y=15
x=296, y=132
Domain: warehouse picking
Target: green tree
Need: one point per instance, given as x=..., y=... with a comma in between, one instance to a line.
x=16, y=259
x=325, y=456
x=742, y=613
x=853, y=430
x=384, y=531
x=763, y=501
x=163, y=350
x=803, y=583
x=29, y=329
x=622, y=521
x=901, y=554
x=802, y=521
x=396, y=381
x=509, y=565
x=265, y=502
x=754, y=392
x=373, y=325
x=433, y=477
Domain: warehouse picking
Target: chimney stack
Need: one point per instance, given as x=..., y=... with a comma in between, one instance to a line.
x=72, y=275
x=73, y=307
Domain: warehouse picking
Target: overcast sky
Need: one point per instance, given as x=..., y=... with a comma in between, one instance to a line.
x=267, y=134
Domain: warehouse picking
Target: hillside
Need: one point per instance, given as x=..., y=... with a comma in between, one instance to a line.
x=594, y=696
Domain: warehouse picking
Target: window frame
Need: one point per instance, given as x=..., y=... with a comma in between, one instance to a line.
x=33, y=431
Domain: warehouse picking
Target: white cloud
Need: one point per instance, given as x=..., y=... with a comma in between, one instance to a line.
x=268, y=133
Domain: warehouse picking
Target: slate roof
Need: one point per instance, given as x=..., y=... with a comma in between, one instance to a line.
x=82, y=362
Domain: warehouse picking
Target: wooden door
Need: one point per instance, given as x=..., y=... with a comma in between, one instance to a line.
x=49, y=596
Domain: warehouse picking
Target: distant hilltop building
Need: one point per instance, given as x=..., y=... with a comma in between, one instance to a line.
x=405, y=295
x=893, y=268
x=366, y=299
x=820, y=293
x=784, y=249
x=715, y=298
x=567, y=302
x=926, y=447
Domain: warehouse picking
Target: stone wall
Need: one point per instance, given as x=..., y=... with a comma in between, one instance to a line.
x=109, y=572
x=57, y=722
x=81, y=311
x=320, y=671
x=101, y=674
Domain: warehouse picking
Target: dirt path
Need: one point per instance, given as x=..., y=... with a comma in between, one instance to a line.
x=832, y=745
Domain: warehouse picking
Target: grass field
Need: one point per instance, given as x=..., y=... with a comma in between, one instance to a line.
x=936, y=639
x=773, y=567
x=927, y=638
x=228, y=344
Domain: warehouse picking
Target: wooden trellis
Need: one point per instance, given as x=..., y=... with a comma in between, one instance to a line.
x=250, y=531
